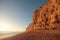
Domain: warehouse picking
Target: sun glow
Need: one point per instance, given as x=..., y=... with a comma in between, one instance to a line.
x=9, y=27
x=4, y=27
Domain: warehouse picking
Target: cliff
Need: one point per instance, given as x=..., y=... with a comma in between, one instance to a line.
x=46, y=17
x=45, y=25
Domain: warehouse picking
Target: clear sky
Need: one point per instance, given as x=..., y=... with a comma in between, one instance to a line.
x=18, y=12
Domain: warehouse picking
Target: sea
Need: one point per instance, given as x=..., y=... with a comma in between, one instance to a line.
x=4, y=35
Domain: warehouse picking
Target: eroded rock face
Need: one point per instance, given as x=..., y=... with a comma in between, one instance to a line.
x=46, y=17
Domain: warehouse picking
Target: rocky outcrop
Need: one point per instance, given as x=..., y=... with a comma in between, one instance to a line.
x=46, y=17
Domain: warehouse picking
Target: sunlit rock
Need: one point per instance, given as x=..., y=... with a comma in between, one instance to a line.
x=46, y=17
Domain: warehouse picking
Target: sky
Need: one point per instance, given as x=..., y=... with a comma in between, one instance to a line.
x=16, y=14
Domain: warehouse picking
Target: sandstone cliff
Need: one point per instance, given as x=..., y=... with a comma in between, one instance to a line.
x=45, y=25
x=46, y=17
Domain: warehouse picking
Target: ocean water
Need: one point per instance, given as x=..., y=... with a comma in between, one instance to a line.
x=4, y=35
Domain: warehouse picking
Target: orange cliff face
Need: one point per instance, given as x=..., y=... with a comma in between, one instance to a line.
x=46, y=17
x=46, y=20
